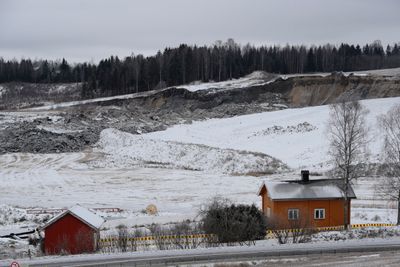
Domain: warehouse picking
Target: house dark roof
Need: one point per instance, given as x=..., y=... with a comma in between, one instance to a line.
x=314, y=189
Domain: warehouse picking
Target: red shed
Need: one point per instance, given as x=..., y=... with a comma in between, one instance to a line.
x=77, y=230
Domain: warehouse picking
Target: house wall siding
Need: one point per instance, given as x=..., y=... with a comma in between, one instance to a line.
x=334, y=211
x=69, y=234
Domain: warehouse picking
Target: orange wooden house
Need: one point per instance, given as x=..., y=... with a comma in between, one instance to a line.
x=315, y=203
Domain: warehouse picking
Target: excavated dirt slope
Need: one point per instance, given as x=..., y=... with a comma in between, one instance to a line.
x=79, y=126
x=311, y=91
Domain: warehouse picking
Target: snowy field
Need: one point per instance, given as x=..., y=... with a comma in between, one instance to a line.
x=63, y=180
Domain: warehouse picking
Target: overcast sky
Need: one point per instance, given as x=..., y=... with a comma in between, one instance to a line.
x=84, y=30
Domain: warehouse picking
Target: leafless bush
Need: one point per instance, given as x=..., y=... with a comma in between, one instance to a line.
x=183, y=233
x=159, y=235
x=299, y=231
x=134, y=239
x=302, y=230
x=280, y=232
x=122, y=237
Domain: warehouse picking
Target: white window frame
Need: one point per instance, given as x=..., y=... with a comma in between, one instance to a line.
x=317, y=214
x=293, y=214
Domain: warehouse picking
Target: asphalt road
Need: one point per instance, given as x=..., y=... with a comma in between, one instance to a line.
x=320, y=254
x=358, y=259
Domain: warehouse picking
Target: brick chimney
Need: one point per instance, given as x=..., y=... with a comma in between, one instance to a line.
x=305, y=176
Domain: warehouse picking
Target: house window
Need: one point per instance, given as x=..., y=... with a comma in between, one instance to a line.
x=268, y=212
x=293, y=214
x=319, y=214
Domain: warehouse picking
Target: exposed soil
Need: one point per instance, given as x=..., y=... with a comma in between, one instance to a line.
x=79, y=126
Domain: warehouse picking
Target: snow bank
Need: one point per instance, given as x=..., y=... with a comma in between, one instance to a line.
x=11, y=248
x=124, y=149
x=362, y=233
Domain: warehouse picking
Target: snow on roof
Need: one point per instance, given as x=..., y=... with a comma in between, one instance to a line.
x=317, y=189
x=85, y=215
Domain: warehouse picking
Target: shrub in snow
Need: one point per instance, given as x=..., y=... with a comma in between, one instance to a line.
x=122, y=237
x=283, y=231
x=376, y=218
x=362, y=216
x=233, y=223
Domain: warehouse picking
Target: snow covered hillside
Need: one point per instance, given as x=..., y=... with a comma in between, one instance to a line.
x=295, y=136
x=127, y=150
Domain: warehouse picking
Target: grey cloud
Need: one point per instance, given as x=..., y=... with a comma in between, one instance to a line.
x=92, y=29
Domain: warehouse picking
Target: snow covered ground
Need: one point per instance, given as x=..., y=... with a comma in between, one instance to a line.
x=63, y=180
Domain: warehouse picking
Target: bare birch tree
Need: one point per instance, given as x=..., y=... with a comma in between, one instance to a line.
x=347, y=133
x=390, y=124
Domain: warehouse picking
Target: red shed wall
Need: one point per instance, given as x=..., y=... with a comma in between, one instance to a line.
x=69, y=234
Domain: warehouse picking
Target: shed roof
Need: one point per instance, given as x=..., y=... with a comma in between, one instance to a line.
x=86, y=216
x=314, y=189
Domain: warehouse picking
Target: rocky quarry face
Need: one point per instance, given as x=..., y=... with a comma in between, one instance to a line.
x=77, y=127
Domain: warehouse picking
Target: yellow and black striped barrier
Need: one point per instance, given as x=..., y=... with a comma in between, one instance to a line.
x=150, y=238
x=270, y=233
x=363, y=225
